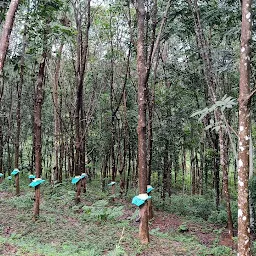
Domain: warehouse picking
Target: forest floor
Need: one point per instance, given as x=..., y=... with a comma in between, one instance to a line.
x=98, y=226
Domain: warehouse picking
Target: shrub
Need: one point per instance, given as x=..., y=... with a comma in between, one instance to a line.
x=22, y=202
x=196, y=206
x=218, y=217
x=100, y=211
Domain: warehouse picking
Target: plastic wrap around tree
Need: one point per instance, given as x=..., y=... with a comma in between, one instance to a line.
x=84, y=175
x=76, y=179
x=1, y=175
x=15, y=172
x=149, y=188
x=36, y=182
x=112, y=183
x=31, y=176
x=140, y=199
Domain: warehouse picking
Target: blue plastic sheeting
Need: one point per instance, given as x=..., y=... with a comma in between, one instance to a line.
x=31, y=176
x=36, y=182
x=15, y=172
x=138, y=201
x=149, y=189
x=111, y=183
x=9, y=177
x=84, y=176
x=76, y=179
x=1, y=175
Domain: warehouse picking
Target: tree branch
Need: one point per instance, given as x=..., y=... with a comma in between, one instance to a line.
x=251, y=94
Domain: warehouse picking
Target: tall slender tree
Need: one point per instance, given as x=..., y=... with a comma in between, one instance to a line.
x=142, y=148
x=245, y=94
x=38, y=129
x=82, y=44
x=4, y=43
x=7, y=29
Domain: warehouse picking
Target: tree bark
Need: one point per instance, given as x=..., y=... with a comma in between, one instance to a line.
x=244, y=243
x=38, y=130
x=81, y=61
x=224, y=164
x=18, y=114
x=1, y=147
x=82, y=54
x=142, y=148
x=7, y=29
x=56, y=115
x=8, y=139
x=184, y=167
x=251, y=203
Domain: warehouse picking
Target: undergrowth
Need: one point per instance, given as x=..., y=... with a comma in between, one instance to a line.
x=196, y=206
x=95, y=226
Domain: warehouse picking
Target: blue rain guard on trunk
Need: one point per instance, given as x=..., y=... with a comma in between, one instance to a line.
x=31, y=176
x=15, y=172
x=1, y=175
x=138, y=201
x=36, y=182
x=84, y=175
x=111, y=183
x=149, y=188
x=9, y=177
x=76, y=179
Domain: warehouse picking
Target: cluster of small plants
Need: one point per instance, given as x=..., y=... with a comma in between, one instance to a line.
x=101, y=211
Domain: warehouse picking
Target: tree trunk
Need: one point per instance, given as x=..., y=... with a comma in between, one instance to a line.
x=251, y=203
x=244, y=243
x=184, y=167
x=38, y=130
x=128, y=169
x=150, y=209
x=192, y=172
x=8, y=139
x=1, y=147
x=81, y=61
x=201, y=168
x=150, y=135
x=6, y=32
x=18, y=115
x=166, y=171
x=224, y=164
x=113, y=129
x=142, y=148
x=56, y=116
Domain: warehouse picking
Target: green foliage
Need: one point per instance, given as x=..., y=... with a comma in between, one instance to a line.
x=118, y=251
x=216, y=251
x=223, y=104
x=158, y=233
x=218, y=217
x=101, y=211
x=254, y=248
x=22, y=202
x=183, y=228
x=194, y=206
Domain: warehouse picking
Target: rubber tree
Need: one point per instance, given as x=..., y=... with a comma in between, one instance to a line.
x=58, y=141
x=4, y=43
x=142, y=148
x=18, y=112
x=44, y=12
x=82, y=43
x=7, y=29
x=245, y=94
